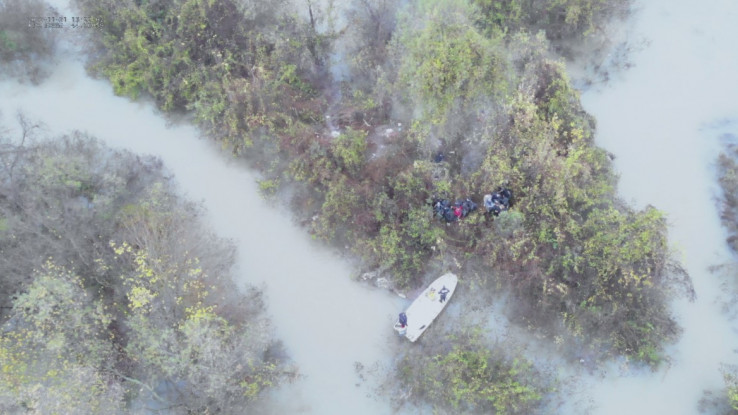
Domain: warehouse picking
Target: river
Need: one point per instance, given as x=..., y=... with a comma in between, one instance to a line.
x=326, y=321
x=662, y=119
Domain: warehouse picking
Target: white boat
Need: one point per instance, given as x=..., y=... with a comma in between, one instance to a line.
x=426, y=307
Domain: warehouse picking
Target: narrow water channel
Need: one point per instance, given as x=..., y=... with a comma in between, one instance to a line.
x=326, y=321
x=663, y=119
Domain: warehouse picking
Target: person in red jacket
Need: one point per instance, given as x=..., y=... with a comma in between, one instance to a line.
x=458, y=211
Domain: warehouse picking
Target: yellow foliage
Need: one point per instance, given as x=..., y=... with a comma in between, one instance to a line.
x=140, y=297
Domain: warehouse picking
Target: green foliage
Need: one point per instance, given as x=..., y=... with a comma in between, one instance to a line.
x=61, y=198
x=268, y=187
x=617, y=244
x=239, y=67
x=414, y=183
x=405, y=247
x=55, y=352
x=100, y=327
x=24, y=49
x=471, y=378
x=727, y=165
x=445, y=62
x=560, y=19
x=407, y=232
x=338, y=208
x=730, y=376
x=567, y=18
x=349, y=148
x=390, y=245
x=566, y=246
x=420, y=227
x=508, y=222
x=176, y=331
x=500, y=15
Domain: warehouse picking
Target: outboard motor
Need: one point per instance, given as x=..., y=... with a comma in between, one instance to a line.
x=401, y=325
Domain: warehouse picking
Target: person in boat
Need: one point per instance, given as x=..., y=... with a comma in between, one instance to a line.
x=432, y=293
x=403, y=320
x=444, y=291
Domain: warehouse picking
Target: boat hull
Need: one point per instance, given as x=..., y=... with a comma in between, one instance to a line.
x=427, y=307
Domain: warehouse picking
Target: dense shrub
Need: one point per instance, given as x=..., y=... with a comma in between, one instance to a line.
x=559, y=19
x=114, y=294
x=466, y=375
x=26, y=47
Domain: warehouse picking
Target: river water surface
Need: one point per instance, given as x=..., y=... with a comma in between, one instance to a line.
x=663, y=120
x=326, y=321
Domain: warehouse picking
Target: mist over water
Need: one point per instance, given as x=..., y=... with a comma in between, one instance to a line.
x=663, y=120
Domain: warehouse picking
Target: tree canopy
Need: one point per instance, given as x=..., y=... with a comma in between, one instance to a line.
x=123, y=299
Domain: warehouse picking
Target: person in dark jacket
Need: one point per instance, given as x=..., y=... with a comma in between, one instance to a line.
x=496, y=209
x=493, y=203
x=444, y=291
x=442, y=208
x=468, y=206
x=505, y=196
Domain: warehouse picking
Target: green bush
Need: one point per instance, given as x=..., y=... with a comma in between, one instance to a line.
x=26, y=47
x=471, y=377
x=100, y=325
x=445, y=64
x=561, y=20
x=349, y=147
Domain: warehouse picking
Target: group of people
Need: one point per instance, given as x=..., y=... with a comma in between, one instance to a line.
x=494, y=203
x=453, y=212
x=498, y=201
